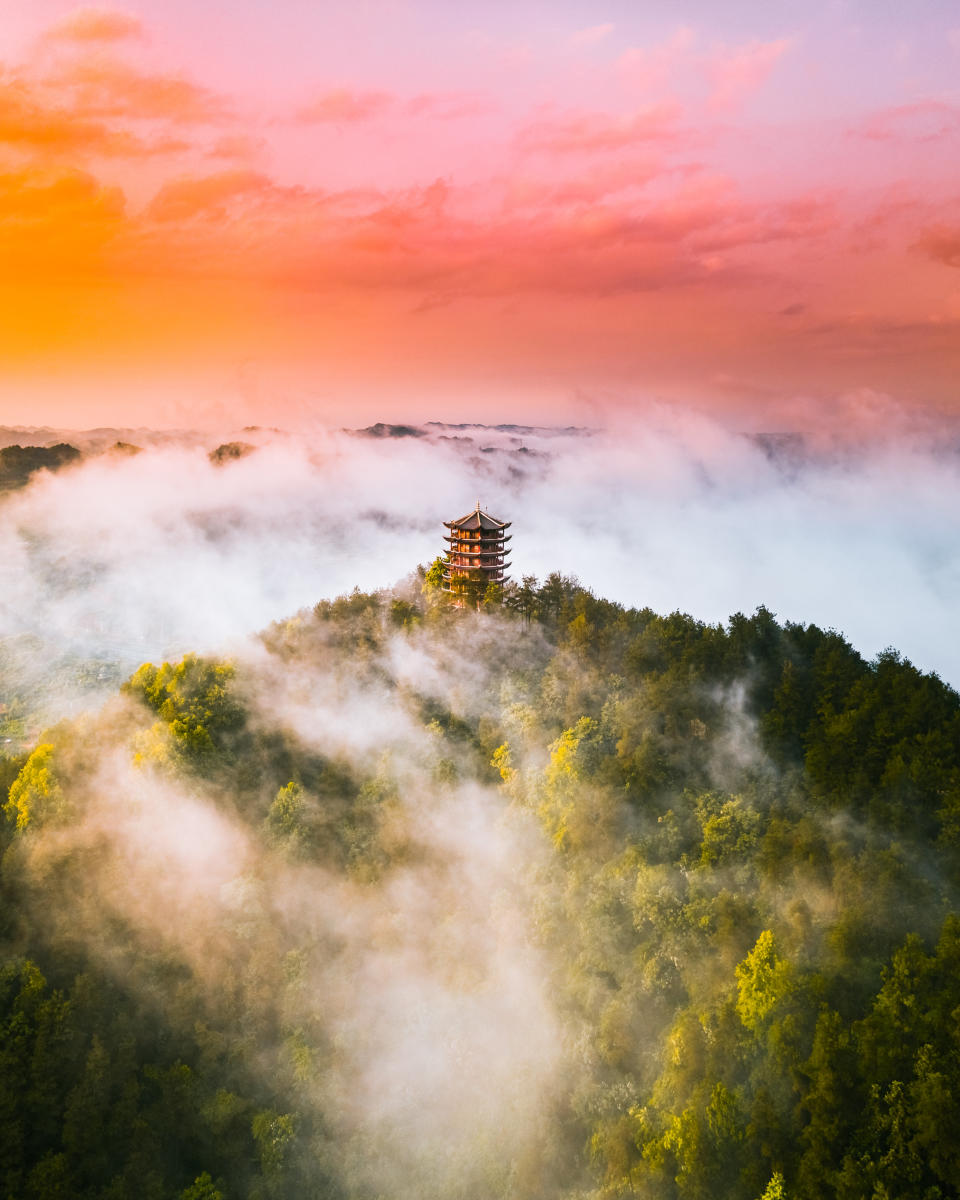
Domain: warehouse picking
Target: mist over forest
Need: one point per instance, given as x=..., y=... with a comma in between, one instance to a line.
x=312, y=885
x=558, y=898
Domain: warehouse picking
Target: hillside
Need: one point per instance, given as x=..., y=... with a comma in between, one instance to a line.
x=559, y=899
x=19, y=463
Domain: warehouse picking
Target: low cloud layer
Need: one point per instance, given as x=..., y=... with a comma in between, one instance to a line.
x=127, y=558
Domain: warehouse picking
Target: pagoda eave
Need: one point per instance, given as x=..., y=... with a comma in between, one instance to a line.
x=490, y=529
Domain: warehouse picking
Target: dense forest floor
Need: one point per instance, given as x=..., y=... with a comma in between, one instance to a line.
x=554, y=899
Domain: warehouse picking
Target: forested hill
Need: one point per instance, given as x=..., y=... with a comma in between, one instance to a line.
x=558, y=899
x=18, y=464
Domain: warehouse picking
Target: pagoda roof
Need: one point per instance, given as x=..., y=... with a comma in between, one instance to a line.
x=478, y=519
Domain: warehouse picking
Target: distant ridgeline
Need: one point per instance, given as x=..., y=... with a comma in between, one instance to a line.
x=742, y=881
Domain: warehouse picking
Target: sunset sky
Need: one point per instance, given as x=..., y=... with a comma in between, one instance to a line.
x=300, y=211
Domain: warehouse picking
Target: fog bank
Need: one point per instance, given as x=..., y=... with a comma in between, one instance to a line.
x=130, y=557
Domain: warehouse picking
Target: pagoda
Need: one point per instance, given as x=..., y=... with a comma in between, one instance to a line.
x=476, y=556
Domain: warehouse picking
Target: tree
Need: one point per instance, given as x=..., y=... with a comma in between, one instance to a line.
x=284, y=822
x=35, y=795
x=433, y=579
x=764, y=979
x=527, y=598
x=775, y=1189
x=202, y=1188
x=493, y=595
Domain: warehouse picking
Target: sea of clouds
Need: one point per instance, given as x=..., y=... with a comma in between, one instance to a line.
x=125, y=558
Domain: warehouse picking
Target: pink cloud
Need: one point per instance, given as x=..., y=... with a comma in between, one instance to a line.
x=209, y=195
x=450, y=106
x=110, y=88
x=940, y=243
x=591, y=36
x=736, y=72
x=923, y=121
x=237, y=146
x=606, y=179
x=422, y=240
x=343, y=104
x=579, y=133
x=651, y=68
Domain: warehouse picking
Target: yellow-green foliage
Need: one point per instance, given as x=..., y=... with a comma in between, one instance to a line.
x=284, y=823
x=775, y=1189
x=764, y=979
x=154, y=746
x=193, y=698
x=501, y=762
x=729, y=829
x=35, y=795
x=579, y=633
x=202, y=1188
x=300, y=1054
x=274, y=1133
x=433, y=578
x=561, y=794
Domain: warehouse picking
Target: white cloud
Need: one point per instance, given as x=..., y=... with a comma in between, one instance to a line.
x=162, y=553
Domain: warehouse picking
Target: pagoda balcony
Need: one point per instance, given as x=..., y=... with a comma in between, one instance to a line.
x=453, y=590
x=468, y=573
x=477, y=541
x=495, y=574
x=464, y=556
x=489, y=564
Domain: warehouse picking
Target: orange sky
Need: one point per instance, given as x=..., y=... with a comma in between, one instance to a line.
x=297, y=214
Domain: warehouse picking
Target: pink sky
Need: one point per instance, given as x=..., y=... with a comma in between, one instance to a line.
x=306, y=212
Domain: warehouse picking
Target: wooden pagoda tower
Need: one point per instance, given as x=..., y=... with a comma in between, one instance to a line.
x=476, y=556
